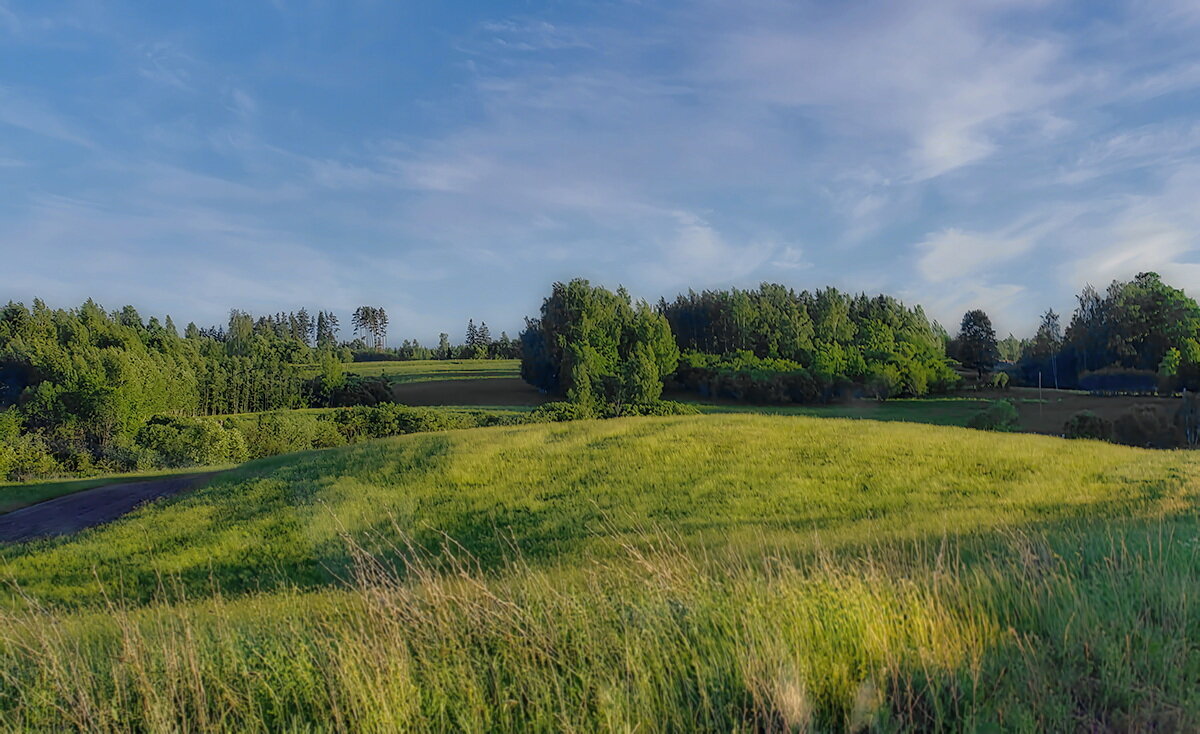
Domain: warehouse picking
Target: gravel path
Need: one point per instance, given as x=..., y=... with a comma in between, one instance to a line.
x=74, y=512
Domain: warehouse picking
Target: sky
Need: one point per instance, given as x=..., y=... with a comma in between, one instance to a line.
x=451, y=160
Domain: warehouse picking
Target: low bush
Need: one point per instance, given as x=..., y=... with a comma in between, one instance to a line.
x=742, y=376
x=393, y=419
x=1147, y=426
x=173, y=441
x=1086, y=424
x=1000, y=415
x=26, y=457
x=561, y=411
x=271, y=434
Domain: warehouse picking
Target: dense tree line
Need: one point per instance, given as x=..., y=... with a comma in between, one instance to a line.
x=77, y=385
x=86, y=389
x=598, y=348
x=1138, y=335
x=768, y=344
x=828, y=341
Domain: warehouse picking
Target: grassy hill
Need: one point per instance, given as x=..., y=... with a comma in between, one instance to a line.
x=727, y=572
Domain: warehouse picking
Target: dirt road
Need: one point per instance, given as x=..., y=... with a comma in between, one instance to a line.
x=74, y=512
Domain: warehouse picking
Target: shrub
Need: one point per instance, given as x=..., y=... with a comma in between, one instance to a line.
x=1086, y=424
x=743, y=376
x=174, y=441
x=1146, y=426
x=560, y=411
x=271, y=434
x=26, y=457
x=1000, y=380
x=393, y=419
x=1000, y=415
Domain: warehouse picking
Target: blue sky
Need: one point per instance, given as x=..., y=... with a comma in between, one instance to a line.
x=451, y=160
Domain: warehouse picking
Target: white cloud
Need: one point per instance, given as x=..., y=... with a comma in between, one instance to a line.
x=953, y=253
x=696, y=254
x=28, y=114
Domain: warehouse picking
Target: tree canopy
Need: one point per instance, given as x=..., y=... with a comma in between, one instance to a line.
x=593, y=345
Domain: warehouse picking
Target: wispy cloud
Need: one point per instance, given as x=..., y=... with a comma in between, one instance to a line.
x=985, y=153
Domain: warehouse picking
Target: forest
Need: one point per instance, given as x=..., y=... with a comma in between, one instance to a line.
x=86, y=390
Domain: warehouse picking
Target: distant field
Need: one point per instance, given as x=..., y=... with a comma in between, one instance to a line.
x=430, y=369
x=949, y=411
x=721, y=572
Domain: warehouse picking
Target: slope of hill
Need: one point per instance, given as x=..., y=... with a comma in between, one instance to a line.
x=723, y=572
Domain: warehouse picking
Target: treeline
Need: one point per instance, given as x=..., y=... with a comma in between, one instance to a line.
x=77, y=385
x=85, y=390
x=775, y=344
x=1137, y=336
x=770, y=344
x=478, y=344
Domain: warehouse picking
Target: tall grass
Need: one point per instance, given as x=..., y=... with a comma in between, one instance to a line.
x=720, y=573
x=1079, y=629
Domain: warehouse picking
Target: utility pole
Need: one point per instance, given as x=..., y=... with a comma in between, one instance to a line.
x=1041, y=404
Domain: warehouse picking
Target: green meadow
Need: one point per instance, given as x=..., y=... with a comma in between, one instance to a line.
x=427, y=370
x=720, y=572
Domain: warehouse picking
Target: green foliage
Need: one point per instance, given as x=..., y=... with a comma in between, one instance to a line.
x=283, y=432
x=332, y=375
x=595, y=346
x=172, y=441
x=1086, y=424
x=1010, y=349
x=1000, y=415
x=743, y=376
x=1137, y=325
x=975, y=345
x=883, y=382
x=562, y=411
x=26, y=457
x=823, y=341
x=84, y=382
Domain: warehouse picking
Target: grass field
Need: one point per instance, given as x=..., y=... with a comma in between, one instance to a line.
x=721, y=572
x=949, y=411
x=430, y=369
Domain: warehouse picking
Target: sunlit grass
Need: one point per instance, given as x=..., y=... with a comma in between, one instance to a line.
x=946, y=411
x=724, y=572
x=424, y=370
